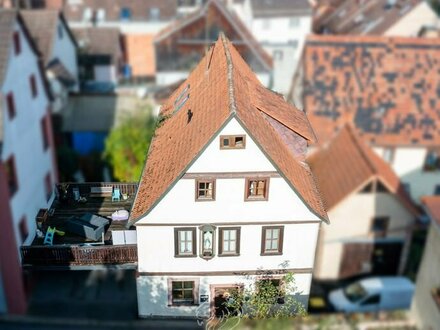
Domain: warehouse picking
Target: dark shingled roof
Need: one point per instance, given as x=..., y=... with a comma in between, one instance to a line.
x=43, y=26
x=99, y=41
x=223, y=87
x=387, y=87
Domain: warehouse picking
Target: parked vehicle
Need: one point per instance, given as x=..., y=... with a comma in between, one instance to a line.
x=373, y=294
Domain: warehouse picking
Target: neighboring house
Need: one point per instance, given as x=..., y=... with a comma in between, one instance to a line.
x=387, y=88
x=140, y=57
x=134, y=16
x=28, y=165
x=225, y=192
x=281, y=27
x=58, y=49
x=100, y=58
x=425, y=309
x=382, y=17
x=371, y=213
x=181, y=45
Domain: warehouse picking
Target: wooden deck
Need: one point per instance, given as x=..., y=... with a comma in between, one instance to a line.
x=102, y=206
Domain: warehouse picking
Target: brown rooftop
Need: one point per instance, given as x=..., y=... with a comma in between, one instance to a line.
x=388, y=88
x=220, y=88
x=432, y=204
x=346, y=165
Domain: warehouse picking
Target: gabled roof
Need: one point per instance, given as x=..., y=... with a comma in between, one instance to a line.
x=432, y=205
x=346, y=165
x=43, y=26
x=220, y=88
x=99, y=41
x=280, y=8
x=387, y=87
x=370, y=17
x=8, y=18
x=246, y=36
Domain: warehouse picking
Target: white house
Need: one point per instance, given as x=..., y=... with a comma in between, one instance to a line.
x=225, y=192
x=405, y=18
x=57, y=46
x=371, y=213
x=28, y=162
x=281, y=27
x=425, y=308
x=385, y=88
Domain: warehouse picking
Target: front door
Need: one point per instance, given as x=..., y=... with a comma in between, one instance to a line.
x=221, y=294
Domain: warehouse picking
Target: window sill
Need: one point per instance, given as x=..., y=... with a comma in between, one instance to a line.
x=271, y=254
x=229, y=255
x=256, y=199
x=185, y=256
x=182, y=305
x=205, y=199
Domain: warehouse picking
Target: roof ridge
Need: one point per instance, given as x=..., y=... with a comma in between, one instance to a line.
x=230, y=75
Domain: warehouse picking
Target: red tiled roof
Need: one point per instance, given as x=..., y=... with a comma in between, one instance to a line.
x=388, y=88
x=432, y=204
x=140, y=54
x=365, y=17
x=346, y=165
x=221, y=87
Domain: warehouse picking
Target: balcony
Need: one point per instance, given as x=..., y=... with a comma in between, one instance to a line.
x=77, y=255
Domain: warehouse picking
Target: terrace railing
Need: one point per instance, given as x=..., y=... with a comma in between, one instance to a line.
x=77, y=255
x=84, y=188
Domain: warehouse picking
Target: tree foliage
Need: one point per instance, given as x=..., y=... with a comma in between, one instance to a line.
x=127, y=144
x=264, y=298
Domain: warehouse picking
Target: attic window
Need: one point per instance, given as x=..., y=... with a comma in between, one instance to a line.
x=17, y=44
x=432, y=161
x=181, y=99
x=232, y=141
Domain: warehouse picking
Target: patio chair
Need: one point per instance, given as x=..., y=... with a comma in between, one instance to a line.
x=48, y=239
x=116, y=196
x=76, y=195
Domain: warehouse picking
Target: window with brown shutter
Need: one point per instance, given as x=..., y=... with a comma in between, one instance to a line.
x=185, y=242
x=45, y=132
x=11, y=175
x=17, y=43
x=229, y=241
x=205, y=190
x=232, y=141
x=256, y=189
x=33, y=84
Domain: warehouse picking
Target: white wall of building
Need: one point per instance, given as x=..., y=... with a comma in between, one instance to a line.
x=283, y=203
x=410, y=24
x=153, y=291
x=178, y=208
x=408, y=163
x=23, y=137
x=105, y=73
x=64, y=49
x=424, y=310
x=351, y=221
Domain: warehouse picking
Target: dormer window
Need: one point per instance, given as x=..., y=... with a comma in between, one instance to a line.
x=257, y=189
x=232, y=141
x=205, y=190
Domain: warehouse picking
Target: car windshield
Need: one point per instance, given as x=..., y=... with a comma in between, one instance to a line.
x=355, y=292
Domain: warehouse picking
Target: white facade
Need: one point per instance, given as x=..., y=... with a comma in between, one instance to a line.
x=283, y=37
x=178, y=208
x=65, y=50
x=411, y=24
x=23, y=137
x=351, y=222
x=424, y=310
x=408, y=163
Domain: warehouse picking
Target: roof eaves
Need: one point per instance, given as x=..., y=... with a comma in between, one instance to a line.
x=325, y=219
x=133, y=221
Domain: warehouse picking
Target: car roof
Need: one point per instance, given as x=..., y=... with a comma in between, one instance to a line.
x=374, y=284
